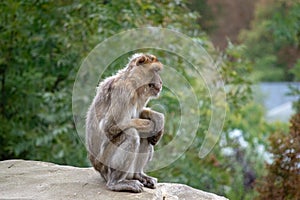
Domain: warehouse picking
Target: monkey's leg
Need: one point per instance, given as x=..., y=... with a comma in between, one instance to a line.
x=157, y=118
x=122, y=164
x=144, y=156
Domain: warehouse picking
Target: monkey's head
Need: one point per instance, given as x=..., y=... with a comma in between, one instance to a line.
x=144, y=70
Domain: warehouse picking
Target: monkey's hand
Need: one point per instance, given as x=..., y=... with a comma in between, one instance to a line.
x=155, y=138
x=158, y=119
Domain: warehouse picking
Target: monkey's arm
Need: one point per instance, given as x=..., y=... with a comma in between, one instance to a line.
x=141, y=125
x=119, y=115
x=158, y=119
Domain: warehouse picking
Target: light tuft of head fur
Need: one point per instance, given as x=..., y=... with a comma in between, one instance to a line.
x=136, y=55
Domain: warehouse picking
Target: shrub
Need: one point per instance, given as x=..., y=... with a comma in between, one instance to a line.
x=283, y=178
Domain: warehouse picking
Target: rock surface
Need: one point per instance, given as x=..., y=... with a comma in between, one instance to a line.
x=21, y=179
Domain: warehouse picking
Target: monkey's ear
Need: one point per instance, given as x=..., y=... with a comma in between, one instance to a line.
x=141, y=60
x=153, y=58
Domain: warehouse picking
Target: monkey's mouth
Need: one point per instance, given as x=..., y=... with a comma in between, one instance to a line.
x=155, y=87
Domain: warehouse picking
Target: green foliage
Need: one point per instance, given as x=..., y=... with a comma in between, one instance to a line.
x=38, y=66
x=296, y=71
x=283, y=178
x=206, y=19
x=285, y=26
x=41, y=44
x=273, y=41
x=234, y=70
x=294, y=90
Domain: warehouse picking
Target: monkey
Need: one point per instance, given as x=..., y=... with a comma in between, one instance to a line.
x=120, y=130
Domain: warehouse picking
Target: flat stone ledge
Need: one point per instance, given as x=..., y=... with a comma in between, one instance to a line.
x=21, y=179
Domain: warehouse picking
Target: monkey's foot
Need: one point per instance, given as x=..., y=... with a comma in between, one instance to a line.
x=147, y=181
x=126, y=185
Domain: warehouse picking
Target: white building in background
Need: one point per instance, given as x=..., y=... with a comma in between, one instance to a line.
x=274, y=97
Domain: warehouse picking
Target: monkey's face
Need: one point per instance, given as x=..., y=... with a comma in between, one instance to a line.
x=147, y=68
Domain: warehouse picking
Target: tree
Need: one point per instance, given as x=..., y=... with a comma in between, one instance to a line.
x=273, y=40
x=283, y=178
x=42, y=44
x=38, y=66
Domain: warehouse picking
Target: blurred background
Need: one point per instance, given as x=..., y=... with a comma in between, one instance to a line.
x=255, y=43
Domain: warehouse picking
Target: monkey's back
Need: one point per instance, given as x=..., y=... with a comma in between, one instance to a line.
x=95, y=118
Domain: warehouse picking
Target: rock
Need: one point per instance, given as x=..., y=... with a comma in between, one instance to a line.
x=21, y=179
